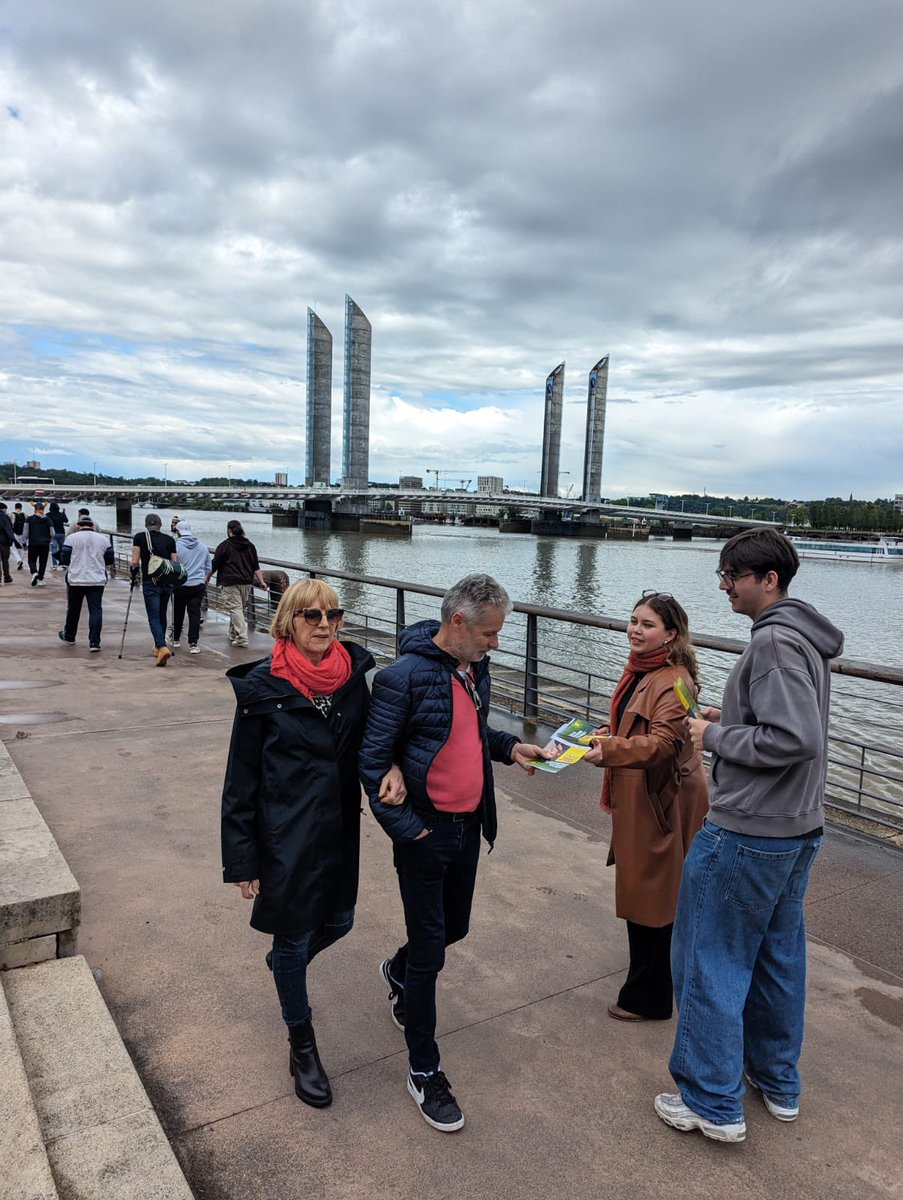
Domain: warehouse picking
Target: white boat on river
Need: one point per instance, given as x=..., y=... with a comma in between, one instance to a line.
x=876, y=550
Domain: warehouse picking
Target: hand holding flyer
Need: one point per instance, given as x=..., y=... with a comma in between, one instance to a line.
x=567, y=745
x=685, y=697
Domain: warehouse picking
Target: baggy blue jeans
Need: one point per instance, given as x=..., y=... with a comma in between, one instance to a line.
x=156, y=601
x=291, y=958
x=738, y=957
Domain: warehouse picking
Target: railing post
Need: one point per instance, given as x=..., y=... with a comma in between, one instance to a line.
x=399, y=618
x=531, y=668
x=251, y=609
x=861, y=776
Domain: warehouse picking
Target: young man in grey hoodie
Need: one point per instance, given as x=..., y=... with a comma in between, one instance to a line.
x=195, y=558
x=739, y=947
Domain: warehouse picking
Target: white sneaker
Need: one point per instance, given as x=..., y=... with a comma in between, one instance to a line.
x=175, y=645
x=780, y=1112
x=195, y=649
x=41, y=583
x=672, y=1110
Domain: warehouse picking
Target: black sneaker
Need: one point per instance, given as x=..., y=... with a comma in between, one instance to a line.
x=438, y=1107
x=396, y=994
x=34, y=579
x=61, y=634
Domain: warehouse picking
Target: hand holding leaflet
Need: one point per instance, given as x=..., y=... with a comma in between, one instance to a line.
x=685, y=697
x=568, y=744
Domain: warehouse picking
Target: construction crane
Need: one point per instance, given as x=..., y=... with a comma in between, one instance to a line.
x=465, y=484
x=433, y=471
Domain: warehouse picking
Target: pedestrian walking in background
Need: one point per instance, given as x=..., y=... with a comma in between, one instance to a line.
x=8, y=543
x=655, y=789
x=739, y=944
x=85, y=555
x=37, y=537
x=59, y=520
x=18, y=521
x=156, y=596
x=189, y=596
x=84, y=512
x=277, y=583
x=237, y=568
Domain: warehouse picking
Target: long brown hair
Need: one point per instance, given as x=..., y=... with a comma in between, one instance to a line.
x=674, y=618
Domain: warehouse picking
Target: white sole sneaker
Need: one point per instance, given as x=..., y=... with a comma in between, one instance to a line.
x=670, y=1108
x=780, y=1112
x=418, y=1098
x=393, y=992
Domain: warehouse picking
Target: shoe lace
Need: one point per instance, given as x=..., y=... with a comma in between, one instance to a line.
x=439, y=1089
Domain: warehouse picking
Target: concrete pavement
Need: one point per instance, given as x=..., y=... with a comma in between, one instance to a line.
x=125, y=762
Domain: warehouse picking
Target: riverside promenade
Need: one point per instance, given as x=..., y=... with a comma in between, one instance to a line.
x=125, y=763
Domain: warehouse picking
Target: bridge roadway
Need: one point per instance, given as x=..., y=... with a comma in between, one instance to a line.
x=351, y=501
x=125, y=762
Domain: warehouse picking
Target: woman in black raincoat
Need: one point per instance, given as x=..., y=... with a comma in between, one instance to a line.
x=291, y=801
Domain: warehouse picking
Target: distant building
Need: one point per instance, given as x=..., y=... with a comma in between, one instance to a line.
x=356, y=445
x=898, y=501
x=490, y=483
x=33, y=464
x=551, y=432
x=319, y=400
x=414, y=482
x=596, y=399
x=281, y=479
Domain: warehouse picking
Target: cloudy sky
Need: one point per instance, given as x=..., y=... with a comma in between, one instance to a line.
x=708, y=192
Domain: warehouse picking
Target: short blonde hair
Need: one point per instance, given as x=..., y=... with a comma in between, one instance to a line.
x=305, y=593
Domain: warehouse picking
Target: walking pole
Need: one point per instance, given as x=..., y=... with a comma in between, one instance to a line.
x=126, y=624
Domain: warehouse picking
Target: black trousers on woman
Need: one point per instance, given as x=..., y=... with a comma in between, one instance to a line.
x=648, y=990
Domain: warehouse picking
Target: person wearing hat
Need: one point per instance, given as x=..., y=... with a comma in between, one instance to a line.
x=84, y=512
x=195, y=558
x=38, y=537
x=85, y=555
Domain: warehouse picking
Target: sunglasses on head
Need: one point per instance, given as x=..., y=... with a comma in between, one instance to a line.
x=313, y=616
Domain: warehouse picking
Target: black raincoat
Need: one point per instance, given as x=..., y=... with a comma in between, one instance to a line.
x=292, y=798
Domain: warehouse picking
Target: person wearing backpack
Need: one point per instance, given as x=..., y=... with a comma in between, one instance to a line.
x=156, y=596
x=38, y=537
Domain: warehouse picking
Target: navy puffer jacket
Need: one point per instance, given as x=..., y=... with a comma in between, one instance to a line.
x=410, y=721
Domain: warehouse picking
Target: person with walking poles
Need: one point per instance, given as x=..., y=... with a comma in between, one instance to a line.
x=291, y=821
x=37, y=536
x=85, y=556
x=156, y=595
x=237, y=569
x=428, y=713
x=739, y=944
x=189, y=596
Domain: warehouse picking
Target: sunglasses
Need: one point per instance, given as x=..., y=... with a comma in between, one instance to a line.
x=313, y=616
x=650, y=592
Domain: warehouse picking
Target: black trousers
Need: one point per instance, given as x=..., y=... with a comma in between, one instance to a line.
x=37, y=559
x=648, y=990
x=4, y=561
x=187, y=599
x=93, y=594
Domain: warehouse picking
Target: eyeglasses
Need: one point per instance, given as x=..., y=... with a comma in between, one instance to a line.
x=731, y=577
x=313, y=616
x=650, y=592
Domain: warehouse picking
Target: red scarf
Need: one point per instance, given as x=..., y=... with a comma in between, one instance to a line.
x=310, y=679
x=637, y=664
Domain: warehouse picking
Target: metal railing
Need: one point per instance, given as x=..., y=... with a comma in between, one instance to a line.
x=548, y=670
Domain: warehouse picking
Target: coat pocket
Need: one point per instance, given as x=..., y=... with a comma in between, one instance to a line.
x=662, y=819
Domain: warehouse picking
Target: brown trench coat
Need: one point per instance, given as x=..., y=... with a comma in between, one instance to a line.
x=659, y=797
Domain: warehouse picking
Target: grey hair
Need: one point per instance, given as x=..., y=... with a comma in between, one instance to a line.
x=152, y=521
x=471, y=595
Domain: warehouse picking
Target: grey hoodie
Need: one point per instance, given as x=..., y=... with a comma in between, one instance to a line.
x=771, y=748
x=194, y=557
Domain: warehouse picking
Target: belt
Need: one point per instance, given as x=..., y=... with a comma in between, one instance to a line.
x=455, y=817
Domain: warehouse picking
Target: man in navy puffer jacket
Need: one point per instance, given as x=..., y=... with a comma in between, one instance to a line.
x=428, y=715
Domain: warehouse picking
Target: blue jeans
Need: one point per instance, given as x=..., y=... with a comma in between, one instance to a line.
x=291, y=957
x=56, y=547
x=436, y=875
x=738, y=957
x=156, y=600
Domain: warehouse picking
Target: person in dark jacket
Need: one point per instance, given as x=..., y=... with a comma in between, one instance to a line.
x=8, y=542
x=37, y=535
x=59, y=520
x=18, y=520
x=237, y=569
x=291, y=801
x=428, y=714
x=156, y=596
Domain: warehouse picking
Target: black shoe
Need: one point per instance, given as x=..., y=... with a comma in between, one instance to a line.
x=34, y=579
x=396, y=994
x=62, y=636
x=20, y=566
x=311, y=1081
x=438, y=1107
x=95, y=649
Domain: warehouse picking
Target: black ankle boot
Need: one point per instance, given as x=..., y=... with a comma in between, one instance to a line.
x=311, y=1081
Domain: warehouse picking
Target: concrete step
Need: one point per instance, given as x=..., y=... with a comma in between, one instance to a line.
x=102, y=1137
x=24, y=1170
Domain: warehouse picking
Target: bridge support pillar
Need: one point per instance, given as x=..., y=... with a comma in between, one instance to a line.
x=123, y=514
x=682, y=535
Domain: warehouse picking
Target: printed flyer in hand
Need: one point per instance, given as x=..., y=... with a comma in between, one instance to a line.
x=569, y=743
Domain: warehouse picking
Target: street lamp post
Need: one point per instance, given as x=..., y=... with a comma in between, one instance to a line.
x=94, y=472
x=165, y=469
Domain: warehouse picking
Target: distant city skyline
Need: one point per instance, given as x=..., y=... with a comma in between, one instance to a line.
x=714, y=205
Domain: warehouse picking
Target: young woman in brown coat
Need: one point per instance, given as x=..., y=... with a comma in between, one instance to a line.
x=655, y=789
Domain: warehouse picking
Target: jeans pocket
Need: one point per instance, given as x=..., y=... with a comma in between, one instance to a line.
x=803, y=867
x=758, y=877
